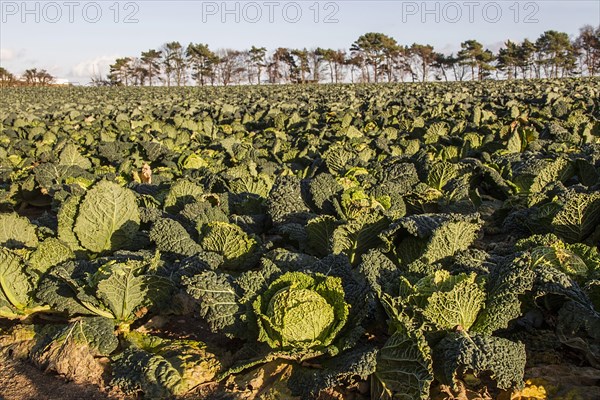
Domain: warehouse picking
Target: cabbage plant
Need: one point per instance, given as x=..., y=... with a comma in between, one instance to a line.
x=301, y=311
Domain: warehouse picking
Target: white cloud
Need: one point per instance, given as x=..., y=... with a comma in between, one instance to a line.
x=93, y=67
x=448, y=48
x=494, y=47
x=7, y=54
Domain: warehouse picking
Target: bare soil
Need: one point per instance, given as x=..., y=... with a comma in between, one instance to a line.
x=22, y=381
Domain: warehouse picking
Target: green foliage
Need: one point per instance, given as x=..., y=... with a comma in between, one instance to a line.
x=578, y=218
x=295, y=222
x=299, y=311
x=425, y=239
x=17, y=232
x=510, y=280
x=455, y=306
x=170, y=236
x=16, y=286
x=219, y=305
x=404, y=367
x=73, y=350
x=49, y=253
x=461, y=353
x=181, y=193
x=229, y=240
x=118, y=288
x=162, y=368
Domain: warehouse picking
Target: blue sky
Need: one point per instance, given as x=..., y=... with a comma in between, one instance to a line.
x=74, y=38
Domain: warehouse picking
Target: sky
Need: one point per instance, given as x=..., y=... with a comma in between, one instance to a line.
x=76, y=39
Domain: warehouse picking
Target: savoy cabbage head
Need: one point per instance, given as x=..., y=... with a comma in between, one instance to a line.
x=301, y=311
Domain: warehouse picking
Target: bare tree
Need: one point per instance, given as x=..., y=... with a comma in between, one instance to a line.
x=588, y=44
x=6, y=78
x=230, y=67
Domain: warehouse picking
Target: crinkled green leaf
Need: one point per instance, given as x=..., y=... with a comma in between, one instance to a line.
x=431, y=237
x=218, y=301
x=126, y=289
x=229, y=240
x=459, y=306
x=15, y=285
x=181, y=193
x=441, y=173
x=404, y=368
x=320, y=232
x=49, y=253
x=162, y=368
x=578, y=218
x=66, y=221
x=108, y=218
x=533, y=175
x=358, y=236
x=510, y=280
x=16, y=231
x=170, y=237
x=461, y=353
x=70, y=156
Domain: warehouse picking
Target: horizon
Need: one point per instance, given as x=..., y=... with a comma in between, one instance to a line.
x=30, y=30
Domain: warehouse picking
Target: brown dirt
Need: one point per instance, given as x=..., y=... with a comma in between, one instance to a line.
x=22, y=381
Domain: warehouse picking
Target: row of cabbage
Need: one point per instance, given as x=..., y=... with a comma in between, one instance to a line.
x=409, y=236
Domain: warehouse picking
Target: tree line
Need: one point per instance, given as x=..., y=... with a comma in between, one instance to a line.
x=373, y=57
x=31, y=77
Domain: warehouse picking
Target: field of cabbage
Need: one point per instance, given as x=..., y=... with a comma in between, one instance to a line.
x=409, y=241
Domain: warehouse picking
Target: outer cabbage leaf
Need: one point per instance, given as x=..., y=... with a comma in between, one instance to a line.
x=460, y=353
x=72, y=351
x=344, y=370
x=578, y=327
x=578, y=259
x=358, y=236
x=507, y=282
x=441, y=173
x=70, y=156
x=181, y=193
x=16, y=232
x=108, y=217
x=285, y=203
x=323, y=189
x=124, y=289
x=219, y=304
x=260, y=185
x=578, y=218
x=121, y=289
x=15, y=286
x=319, y=232
x=378, y=270
x=171, y=237
x=229, y=240
x=404, y=367
x=533, y=175
x=162, y=368
x=49, y=253
x=458, y=306
x=66, y=221
x=51, y=175
x=429, y=238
